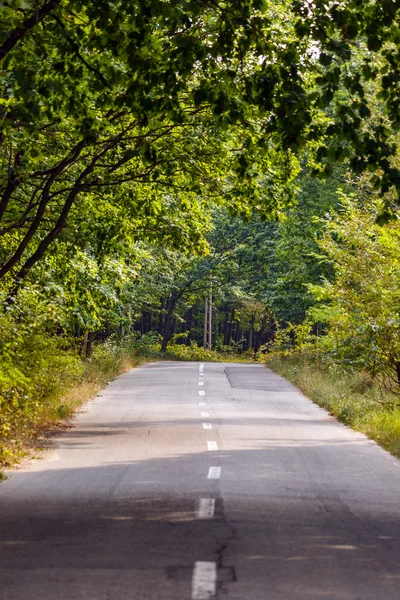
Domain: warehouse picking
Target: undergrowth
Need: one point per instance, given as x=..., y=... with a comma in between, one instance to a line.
x=43, y=380
x=198, y=353
x=48, y=383
x=354, y=398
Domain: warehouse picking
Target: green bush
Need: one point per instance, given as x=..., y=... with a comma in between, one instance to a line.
x=360, y=303
x=35, y=369
x=18, y=410
x=198, y=353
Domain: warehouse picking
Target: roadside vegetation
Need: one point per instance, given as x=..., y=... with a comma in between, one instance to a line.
x=345, y=351
x=354, y=398
x=47, y=381
x=163, y=161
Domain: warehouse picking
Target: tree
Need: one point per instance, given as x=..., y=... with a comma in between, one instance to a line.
x=361, y=302
x=116, y=86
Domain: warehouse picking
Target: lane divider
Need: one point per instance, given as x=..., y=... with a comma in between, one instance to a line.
x=204, y=578
x=212, y=446
x=204, y=581
x=205, y=508
x=214, y=473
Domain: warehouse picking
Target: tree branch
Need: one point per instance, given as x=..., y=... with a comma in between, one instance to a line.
x=28, y=24
x=75, y=48
x=12, y=184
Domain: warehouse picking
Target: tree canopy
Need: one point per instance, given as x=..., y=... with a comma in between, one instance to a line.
x=103, y=98
x=154, y=152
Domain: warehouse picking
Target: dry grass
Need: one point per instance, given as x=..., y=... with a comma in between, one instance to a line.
x=57, y=409
x=107, y=363
x=97, y=374
x=351, y=397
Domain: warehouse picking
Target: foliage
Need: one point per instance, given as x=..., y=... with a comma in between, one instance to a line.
x=198, y=353
x=87, y=60
x=36, y=367
x=361, y=302
x=43, y=380
x=133, y=113
x=144, y=144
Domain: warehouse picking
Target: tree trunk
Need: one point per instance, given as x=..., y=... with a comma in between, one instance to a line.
x=238, y=334
x=188, y=324
x=161, y=319
x=230, y=326
x=167, y=333
x=398, y=371
x=225, y=327
x=87, y=344
x=251, y=333
x=260, y=333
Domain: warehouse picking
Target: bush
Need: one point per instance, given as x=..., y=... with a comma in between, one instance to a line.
x=35, y=370
x=198, y=353
x=361, y=303
x=17, y=411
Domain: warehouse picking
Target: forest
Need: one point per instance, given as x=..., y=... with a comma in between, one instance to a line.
x=199, y=180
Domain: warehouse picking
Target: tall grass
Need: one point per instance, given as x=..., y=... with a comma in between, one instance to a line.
x=354, y=398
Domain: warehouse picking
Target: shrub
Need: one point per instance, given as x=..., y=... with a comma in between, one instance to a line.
x=361, y=303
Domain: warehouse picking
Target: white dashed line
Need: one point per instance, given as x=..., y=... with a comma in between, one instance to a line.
x=205, y=414
x=212, y=446
x=201, y=382
x=204, y=581
x=201, y=367
x=214, y=473
x=205, y=508
x=202, y=403
x=202, y=393
x=207, y=426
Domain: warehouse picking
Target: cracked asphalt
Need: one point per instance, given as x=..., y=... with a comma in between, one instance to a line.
x=302, y=506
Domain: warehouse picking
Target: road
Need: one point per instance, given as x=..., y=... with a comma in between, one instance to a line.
x=185, y=481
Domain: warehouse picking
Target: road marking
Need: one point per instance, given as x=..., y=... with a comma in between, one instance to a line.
x=202, y=403
x=205, y=414
x=202, y=393
x=205, y=509
x=212, y=446
x=207, y=426
x=201, y=367
x=201, y=382
x=204, y=581
x=214, y=473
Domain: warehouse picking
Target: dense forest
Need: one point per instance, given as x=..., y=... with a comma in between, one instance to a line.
x=176, y=175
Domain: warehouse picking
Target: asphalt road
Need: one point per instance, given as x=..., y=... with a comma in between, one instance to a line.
x=184, y=482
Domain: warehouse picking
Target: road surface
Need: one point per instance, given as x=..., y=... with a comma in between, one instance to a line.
x=185, y=481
